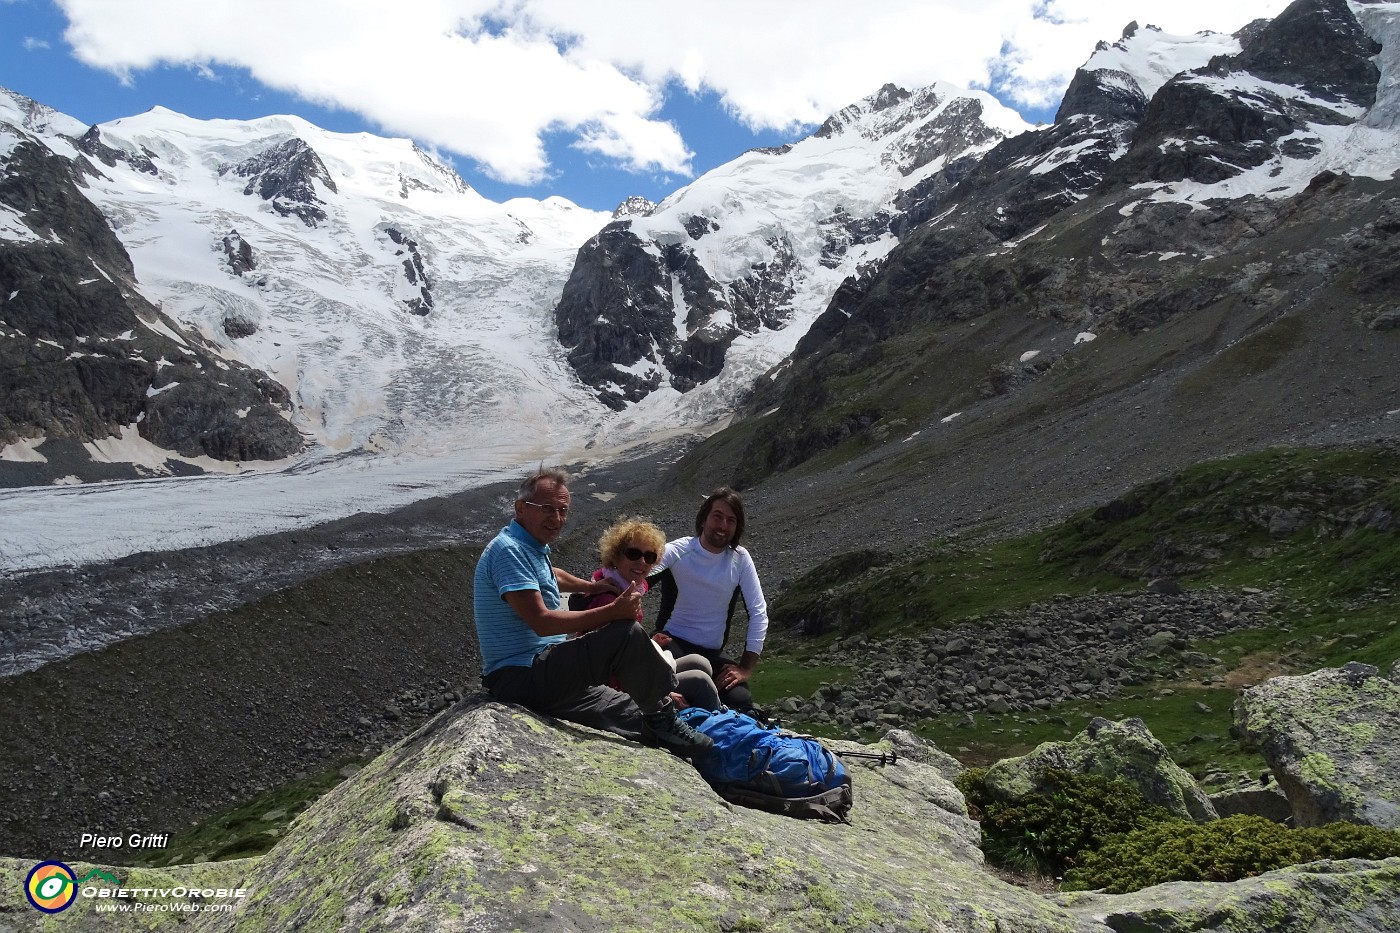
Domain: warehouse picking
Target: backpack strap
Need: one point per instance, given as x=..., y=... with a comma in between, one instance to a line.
x=830, y=806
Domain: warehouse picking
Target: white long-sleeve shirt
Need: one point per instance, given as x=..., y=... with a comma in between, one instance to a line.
x=706, y=585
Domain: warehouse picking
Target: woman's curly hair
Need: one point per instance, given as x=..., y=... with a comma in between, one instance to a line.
x=615, y=538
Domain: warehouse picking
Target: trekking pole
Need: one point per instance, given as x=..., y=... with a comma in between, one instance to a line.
x=883, y=758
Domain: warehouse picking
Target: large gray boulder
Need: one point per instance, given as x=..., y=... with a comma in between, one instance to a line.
x=491, y=818
x=1270, y=802
x=1352, y=896
x=1124, y=749
x=1330, y=739
x=494, y=818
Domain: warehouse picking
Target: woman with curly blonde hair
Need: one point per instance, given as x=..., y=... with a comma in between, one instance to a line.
x=630, y=548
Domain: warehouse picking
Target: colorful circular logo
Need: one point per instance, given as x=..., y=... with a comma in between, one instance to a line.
x=51, y=887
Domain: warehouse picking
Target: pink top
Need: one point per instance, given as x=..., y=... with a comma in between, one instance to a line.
x=602, y=599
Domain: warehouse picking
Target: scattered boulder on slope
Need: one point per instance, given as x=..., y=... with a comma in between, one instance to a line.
x=1268, y=801
x=1329, y=738
x=1113, y=749
x=1351, y=896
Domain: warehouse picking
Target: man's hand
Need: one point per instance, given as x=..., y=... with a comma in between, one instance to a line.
x=602, y=585
x=735, y=674
x=731, y=677
x=529, y=606
x=628, y=604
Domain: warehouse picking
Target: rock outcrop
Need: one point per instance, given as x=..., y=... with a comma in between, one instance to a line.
x=286, y=177
x=1112, y=749
x=1330, y=740
x=85, y=356
x=493, y=818
x=1352, y=896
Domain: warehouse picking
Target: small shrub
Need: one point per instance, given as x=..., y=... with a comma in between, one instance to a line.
x=974, y=790
x=1350, y=840
x=1224, y=850
x=1047, y=831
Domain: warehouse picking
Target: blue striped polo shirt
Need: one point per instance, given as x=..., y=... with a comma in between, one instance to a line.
x=512, y=562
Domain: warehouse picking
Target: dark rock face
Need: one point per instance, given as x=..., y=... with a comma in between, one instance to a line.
x=1319, y=46
x=80, y=360
x=627, y=338
x=615, y=308
x=1046, y=234
x=284, y=176
x=239, y=252
x=1094, y=92
x=1203, y=127
x=618, y=311
x=92, y=144
x=413, y=272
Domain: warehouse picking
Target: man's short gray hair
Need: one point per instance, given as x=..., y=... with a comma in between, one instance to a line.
x=532, y=482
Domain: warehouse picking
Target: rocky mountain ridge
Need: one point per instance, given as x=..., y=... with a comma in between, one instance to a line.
x=85, y=359
x=1208, y=242
x=659, y=296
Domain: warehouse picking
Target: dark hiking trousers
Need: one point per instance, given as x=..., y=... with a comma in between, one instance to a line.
x=566, y=680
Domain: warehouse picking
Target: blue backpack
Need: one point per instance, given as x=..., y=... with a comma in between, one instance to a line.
x=770, y=769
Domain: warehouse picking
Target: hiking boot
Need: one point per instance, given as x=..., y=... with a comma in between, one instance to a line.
x=678, y=736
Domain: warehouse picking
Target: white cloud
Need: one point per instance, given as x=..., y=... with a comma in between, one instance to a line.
x=487, y=78
x=32, y=44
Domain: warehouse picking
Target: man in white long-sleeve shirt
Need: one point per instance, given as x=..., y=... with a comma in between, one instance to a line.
x=702, y=579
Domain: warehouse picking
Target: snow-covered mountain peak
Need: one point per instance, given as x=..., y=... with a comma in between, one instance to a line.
x=362, y=164
x=635, y=205
x=399, y=308
x=1313, y=90
x=892, y=110
x=726, y=273
x=856, y=161
x=1149, y=58
x=34, y=117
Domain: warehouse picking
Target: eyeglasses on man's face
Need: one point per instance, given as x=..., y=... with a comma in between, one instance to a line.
x=634, y=553
x=562, y=511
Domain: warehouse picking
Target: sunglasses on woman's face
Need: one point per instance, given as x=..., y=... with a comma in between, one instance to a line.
x=633, y=553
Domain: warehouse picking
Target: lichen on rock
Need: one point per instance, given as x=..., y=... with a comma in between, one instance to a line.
x=1124, y=749
x=491, y=817
x=1329, y=738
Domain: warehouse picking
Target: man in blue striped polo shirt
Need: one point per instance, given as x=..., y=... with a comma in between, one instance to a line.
x=527, y=656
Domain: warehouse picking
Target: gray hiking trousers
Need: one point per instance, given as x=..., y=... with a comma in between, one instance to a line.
x=567, y=680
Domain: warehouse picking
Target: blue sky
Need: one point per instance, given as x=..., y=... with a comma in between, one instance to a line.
x=592, y=101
